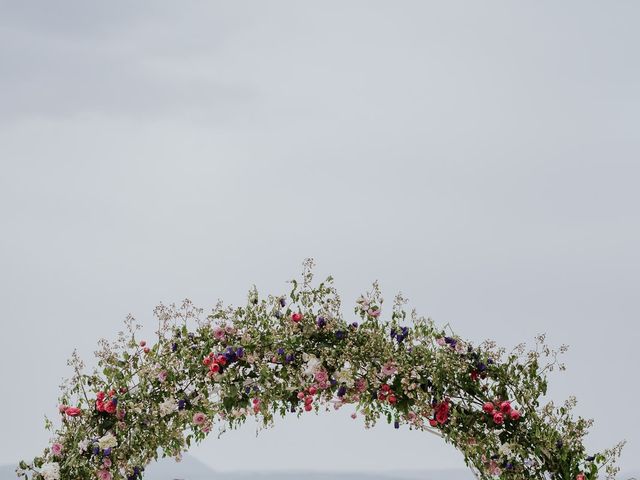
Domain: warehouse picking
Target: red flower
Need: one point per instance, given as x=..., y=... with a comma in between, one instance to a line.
x=498, y=418
x=296, y=317
x=515, y=415
x=392, y=399
x=100, y=396
x=110, y=407
x=433, y=422
x=442, y=412
x=73, y=411
x=99, y=405
x=214, y=368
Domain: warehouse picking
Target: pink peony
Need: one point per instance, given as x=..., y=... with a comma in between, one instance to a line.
x=56, y=449
x=199, y=418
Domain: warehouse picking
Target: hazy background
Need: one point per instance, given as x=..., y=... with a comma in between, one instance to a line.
x=482, y=157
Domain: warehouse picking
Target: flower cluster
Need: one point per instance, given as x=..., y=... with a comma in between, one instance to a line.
x=294, y=354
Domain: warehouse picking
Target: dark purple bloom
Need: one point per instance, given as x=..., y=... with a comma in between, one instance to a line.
x=482, y=367
x=283, y=302
x=174, y=347
x=281, y=351
x=240, y=352
x=278, y=314
x=289, y=358
x=106, y=452
x=181, y=404
x=342, y=391
x=321, y=322
x=396, y=424
x=96, y=450
x=354, y=324
x=393, y=333
x=339, y=334
x=333, y=382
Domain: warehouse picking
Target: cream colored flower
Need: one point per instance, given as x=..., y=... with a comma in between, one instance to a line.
x=108, y=441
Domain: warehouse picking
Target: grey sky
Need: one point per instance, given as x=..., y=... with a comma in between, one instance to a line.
x=482, y=157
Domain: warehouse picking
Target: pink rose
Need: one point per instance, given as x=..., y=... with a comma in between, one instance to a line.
x=104, y=474
x=505, y=407
x=73, y=411
x=110, y=407
x=321, y=376
x=199, y=418
x=62, y=408
x=487, y=407
x=515, y=415
x=361, y=385
x=440, y=341
x=106, y=463
x=162, y=376
x=498, y=418
x=581, y=476
x=56, y=449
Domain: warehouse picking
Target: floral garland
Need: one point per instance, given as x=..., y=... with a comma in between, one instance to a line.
x=297, y=354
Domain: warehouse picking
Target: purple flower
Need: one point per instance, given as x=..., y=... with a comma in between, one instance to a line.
x=342, y=391
x=321, y=322
x=281, y=351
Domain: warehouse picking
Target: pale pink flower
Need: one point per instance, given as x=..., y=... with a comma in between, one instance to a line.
x=56, y=449
x=106, y=463
x=218, y=333
x=440, y=341
x=104, y=474
x=162, y=376
x=199, y=418
x=389, y=369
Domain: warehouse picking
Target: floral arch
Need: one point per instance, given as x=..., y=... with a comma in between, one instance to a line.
x=297, y=354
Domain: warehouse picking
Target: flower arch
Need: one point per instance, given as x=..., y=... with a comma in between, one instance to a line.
x=297, y=354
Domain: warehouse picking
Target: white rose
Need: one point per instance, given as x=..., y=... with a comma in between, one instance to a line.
x=167, y=407
x=83, y=445
x=50, y=471
x=108, y=441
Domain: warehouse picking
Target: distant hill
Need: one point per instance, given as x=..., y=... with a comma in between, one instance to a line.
x=193, y=469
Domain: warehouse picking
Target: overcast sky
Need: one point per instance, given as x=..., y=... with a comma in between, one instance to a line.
x=482, y=157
